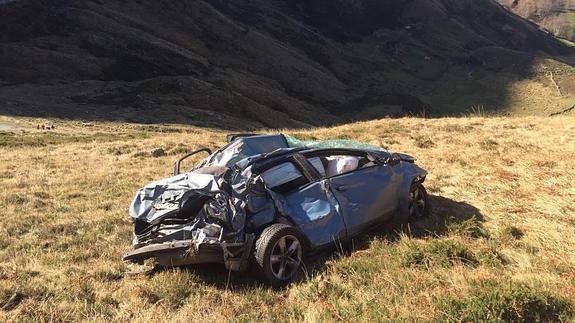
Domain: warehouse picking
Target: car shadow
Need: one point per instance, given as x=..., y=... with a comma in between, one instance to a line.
x=446, y=214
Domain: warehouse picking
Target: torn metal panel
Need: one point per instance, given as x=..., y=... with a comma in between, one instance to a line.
x=160, y=197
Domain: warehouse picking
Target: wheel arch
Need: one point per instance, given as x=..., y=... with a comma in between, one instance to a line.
x=411, y=174
x=284, y=220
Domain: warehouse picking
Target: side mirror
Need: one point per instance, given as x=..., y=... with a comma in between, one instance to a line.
x=179, y=161
x=393, y=160
x=234, y=136
x=382, y=159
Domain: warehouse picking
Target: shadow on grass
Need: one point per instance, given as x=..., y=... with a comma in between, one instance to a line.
x=446, y=216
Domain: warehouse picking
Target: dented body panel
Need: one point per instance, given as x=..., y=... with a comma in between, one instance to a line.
x=215, y=212
x=316, y=212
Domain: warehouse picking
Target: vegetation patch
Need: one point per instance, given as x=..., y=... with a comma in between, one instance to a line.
x=423, y=142
x=180, y=149
x=15, y=199
x=443, y=253
x=506, y=303
x=490, y=257
x=489, y=144
x=173, y=288
x=471, y=227
x=12, y=296
x=305, y=136
x=16, y=140
x=120, y=150
x=512, y=233
x=109, y=275
x=9, y=299
x=163, y=129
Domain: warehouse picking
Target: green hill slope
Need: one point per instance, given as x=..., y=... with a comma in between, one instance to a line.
x=275, y=63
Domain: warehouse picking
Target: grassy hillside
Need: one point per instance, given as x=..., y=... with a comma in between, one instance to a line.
x=499, y=242
x=276, y=63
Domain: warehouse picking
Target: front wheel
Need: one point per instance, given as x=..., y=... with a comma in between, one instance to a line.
x=418, y=202
x=278, y=254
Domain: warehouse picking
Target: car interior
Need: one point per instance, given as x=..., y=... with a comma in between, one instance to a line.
x=285, y=177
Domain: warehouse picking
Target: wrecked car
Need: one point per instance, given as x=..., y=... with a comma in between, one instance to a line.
x=265, y=201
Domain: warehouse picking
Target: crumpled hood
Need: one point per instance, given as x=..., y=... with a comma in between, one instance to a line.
x=164, y=195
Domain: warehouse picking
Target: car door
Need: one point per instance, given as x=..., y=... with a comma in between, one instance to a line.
x=308, y=202
x=365, y=196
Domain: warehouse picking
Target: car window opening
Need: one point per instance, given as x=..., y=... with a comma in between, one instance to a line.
x=340, y=164
x=284, y=178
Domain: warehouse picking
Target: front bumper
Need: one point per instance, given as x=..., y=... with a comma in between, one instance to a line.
x=177, y=253
x=185, y=252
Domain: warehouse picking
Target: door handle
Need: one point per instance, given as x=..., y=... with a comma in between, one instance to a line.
x=341, y=188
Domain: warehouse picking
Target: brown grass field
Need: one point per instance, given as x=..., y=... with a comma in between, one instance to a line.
x=498, y=246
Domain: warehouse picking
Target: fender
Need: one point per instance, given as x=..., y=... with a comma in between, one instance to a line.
x=411, y=174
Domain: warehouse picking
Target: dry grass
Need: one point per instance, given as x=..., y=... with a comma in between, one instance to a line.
x=499, y=243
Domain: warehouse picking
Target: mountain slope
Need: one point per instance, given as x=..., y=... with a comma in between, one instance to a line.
x=557, y=16
x=274, y=63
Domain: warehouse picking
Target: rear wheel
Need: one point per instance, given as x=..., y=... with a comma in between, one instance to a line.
x=418, y=202
x=278, y=254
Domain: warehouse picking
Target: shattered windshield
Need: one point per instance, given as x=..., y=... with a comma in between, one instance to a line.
x=227, y=156
x=331, y=143
x=245, y=147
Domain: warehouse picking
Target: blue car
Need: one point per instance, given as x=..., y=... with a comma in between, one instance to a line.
x=265, y=201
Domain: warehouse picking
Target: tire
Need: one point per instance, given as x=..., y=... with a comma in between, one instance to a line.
x=419, y=207
x=278, y=254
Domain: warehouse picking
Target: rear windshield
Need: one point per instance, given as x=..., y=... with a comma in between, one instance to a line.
x=331, y=143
